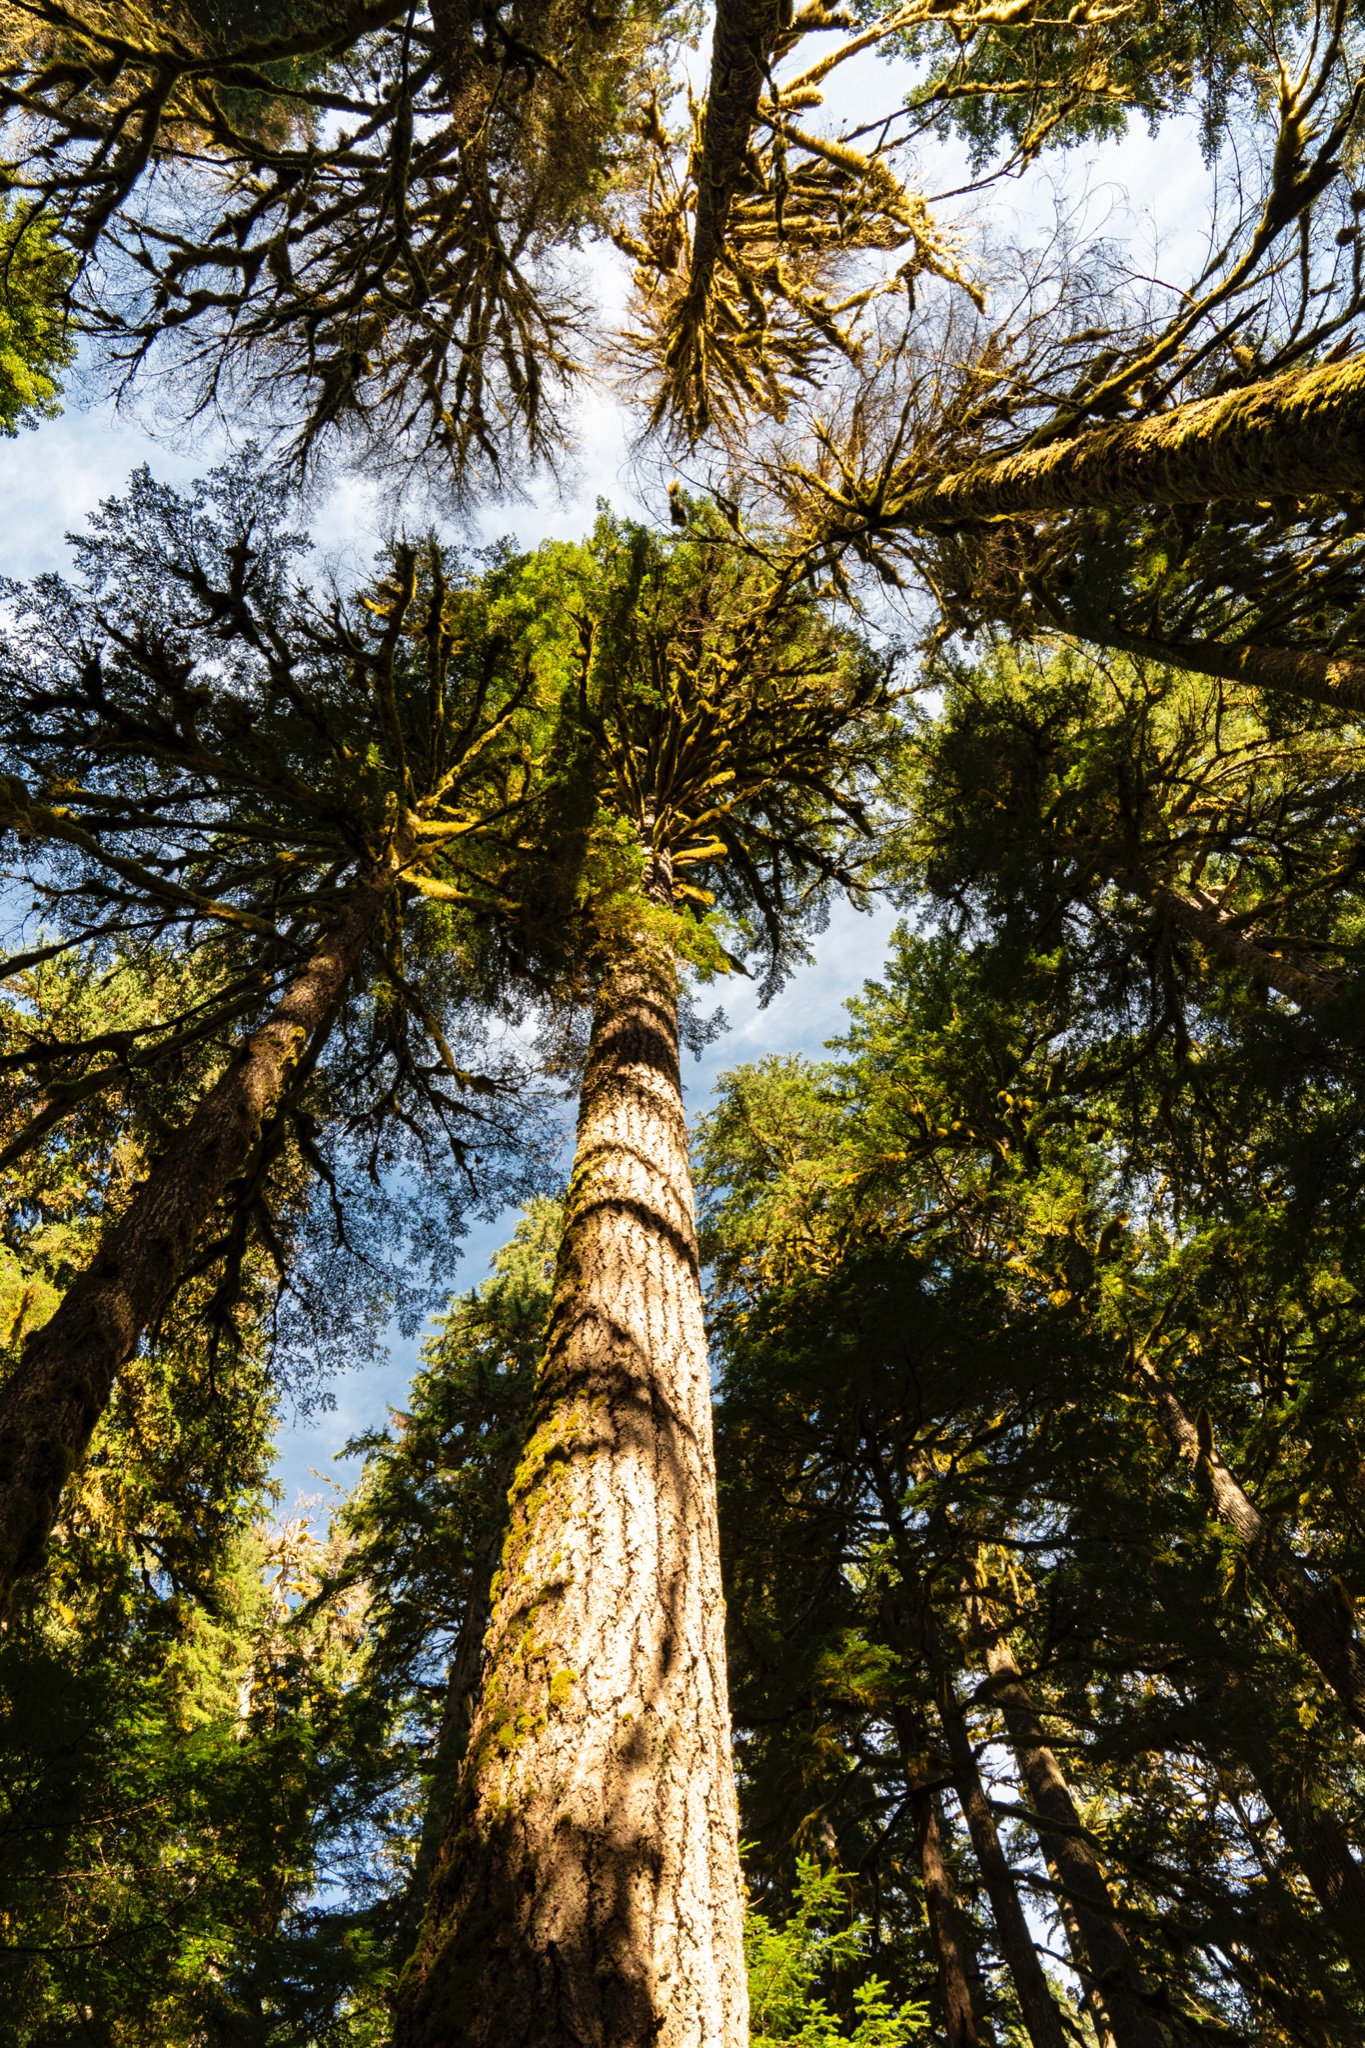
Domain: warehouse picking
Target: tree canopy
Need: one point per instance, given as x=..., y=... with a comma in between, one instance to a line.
x=939, y=1470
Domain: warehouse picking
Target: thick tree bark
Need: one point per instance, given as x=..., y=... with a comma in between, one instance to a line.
x=1104, y=1960
x=62, y=1385
x=589, y=1894
x=1322, y=1624
x=1292, y=671
x=946, y=1931
x=960, y=2027
x=1230, y=943
x=1300, y=435
x=1036, y=2002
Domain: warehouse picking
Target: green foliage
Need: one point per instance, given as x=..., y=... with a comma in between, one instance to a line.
x=932, y=1255
x=722, y=742
x=185, y=1752
x=786, y=1964
x=193, y=704
x=35, y=337
x=177, y=1750
x=425, y=1521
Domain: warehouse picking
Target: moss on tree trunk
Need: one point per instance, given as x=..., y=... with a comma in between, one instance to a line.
x=1295, y=436
x=589, y=1890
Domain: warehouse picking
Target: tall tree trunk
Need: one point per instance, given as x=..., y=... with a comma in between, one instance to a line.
x=64, y=1379
x=1300, y=435
x=1320, y=1849
x=1036, y=2002
x=1322, y=1624
x=1105, y=1962
x=1307, y=985
x=946, y=1931
x=741, y=41
x=589, y=1893
x=1291, y=671
x=1315, y=1841
x=741, y=46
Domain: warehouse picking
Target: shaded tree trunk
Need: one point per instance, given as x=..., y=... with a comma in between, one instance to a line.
x=1307, y=985
x=467, y=80
x=1244, y=1709
x=1315, y=1841
x=946, y=1930
x=1036, y=2002
x=1292, y=671
x=589, y=1890
x=1299, y=435
x=744, y=33
x=1319, y=1847
x=66, y=1374
x=1104, y=1960
x=1322, y=1623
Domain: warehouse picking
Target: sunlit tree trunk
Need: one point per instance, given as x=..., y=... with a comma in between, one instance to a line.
x=589, y=1893
x=1036, y=2002
x=1299, y=435
x=1104, y=1960
x=65, y=1377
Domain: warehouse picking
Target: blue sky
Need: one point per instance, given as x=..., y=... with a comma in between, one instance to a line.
x=50, y=478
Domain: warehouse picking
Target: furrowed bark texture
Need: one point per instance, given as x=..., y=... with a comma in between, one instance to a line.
x=1229, y=942
x=1011, y=1928
x=945, y=1928
x=1293, y=436
x=1104, y=1960
x=946, y=1931
x=1293, y=671
x=62, y=1385
x=1321, y=1626
x=589, y=1894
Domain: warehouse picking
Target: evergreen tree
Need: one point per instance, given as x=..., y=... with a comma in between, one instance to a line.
x=947, y=1510
x=35, y=343
x=208, y=755
x=719, y=743
x=349, y=217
